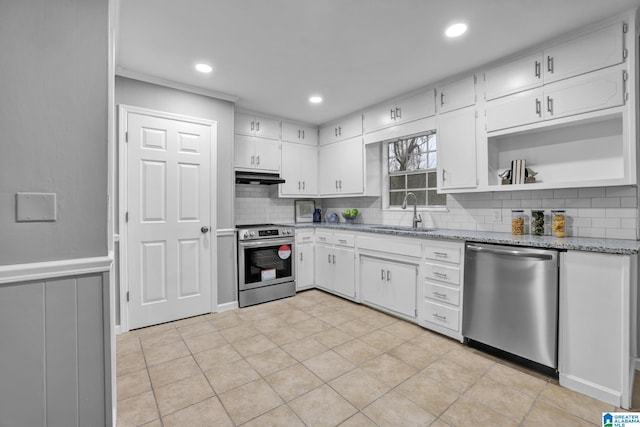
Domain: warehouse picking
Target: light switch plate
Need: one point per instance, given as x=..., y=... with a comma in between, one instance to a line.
x=32, y=207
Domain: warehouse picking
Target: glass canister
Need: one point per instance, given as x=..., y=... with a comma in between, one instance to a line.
x=558, y=223
x=537, y=222
x=517, y=222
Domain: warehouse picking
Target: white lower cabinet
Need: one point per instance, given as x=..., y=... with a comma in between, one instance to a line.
x=389, y=284
x=597, y=311
x=335, y=264
x=440, y=294
x=304, y=260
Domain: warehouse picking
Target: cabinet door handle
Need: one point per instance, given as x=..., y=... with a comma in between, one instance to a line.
x=382, y=273
x=550, y=64
x=441, y=99
x=336, y=131
x=298, y=185
x=258, y=160
x=252, y=125
x=336, y=184
x=298, y=133
x=392, y=114
x=253, y=160
x=550, y=105
x=334, y=259
x=302, y=185
x=538, y=107
x=537, y=69
x=398, y=112
x=443, y=179
x=340, y=183
x=388, y=275
x=340, y=130
x=257, y=126
x=300, y=256
x=302, y=134
x=329, y=258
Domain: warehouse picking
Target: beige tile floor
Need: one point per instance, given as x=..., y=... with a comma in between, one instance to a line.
x=318, y=360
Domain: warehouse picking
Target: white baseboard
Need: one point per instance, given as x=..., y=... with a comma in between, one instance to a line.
x=53, y=269
x=596, y=391
x=227, y=306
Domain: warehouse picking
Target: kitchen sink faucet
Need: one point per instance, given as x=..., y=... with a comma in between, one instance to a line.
x=416, y=218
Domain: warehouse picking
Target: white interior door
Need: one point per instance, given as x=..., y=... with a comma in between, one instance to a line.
x=168, y=230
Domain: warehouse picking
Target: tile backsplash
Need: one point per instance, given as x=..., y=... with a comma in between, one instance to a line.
x=610, y=212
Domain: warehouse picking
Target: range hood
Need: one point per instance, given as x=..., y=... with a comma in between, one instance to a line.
x=258, y=178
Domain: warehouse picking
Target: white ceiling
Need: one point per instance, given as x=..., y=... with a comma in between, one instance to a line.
x=274, y=54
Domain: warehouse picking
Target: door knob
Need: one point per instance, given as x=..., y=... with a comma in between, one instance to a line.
x=204, y=229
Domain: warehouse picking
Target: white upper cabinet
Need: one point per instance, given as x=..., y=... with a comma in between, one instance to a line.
x=256, y=154
x=590, y=92
x=593, y=51
x=341, y=168
x=456, y=95
x=598, y=49
x=404, y=110
x=346, y=128
x=457, y=150
x=256, y=126
x=292, y=132
x=516, y=76
x=299, y=170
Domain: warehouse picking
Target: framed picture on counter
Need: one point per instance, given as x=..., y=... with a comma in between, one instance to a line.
x=304, y=210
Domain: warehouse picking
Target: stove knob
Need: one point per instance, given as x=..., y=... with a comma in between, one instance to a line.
x=246, y=234
x=253, y=233
x=289, y=231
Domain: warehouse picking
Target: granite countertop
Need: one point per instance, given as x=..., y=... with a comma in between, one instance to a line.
x=587, y=244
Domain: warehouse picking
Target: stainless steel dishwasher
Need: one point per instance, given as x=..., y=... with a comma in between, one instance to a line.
x=511, y=300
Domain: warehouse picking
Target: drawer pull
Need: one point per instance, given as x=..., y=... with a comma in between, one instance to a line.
x=438, y=274
x=440, y=295
x=440, y=318
x=441, y=254
x=344, y=242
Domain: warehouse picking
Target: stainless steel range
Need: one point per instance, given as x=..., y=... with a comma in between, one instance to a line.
x=266, y=267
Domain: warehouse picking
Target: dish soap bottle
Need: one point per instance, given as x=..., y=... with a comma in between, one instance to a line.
x=317, y=215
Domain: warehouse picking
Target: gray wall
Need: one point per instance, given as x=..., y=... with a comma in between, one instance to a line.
x=147, y=95
x=53, y=116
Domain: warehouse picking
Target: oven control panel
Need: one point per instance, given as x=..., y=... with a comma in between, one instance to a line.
x=253, y=233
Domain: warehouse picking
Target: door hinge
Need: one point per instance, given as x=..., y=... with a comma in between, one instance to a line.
x=126, y=137
x=625, y=75
x=127, y=296
x=625, y=53
x=126, y=217
x=625, y=27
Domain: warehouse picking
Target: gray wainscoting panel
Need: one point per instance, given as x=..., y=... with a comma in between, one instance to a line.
x=22, y=352
x=91, y=350
x=61, y=352
x=54, y=364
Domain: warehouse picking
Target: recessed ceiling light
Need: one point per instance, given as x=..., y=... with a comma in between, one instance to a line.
x=456, y=30
x=315, y=99
x=204, y=68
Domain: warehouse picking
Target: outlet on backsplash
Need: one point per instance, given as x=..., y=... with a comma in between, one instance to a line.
x=496, y=216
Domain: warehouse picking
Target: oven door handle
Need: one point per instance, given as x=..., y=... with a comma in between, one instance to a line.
x=266, y=243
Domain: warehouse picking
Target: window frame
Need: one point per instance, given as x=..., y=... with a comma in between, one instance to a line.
x=385, y=184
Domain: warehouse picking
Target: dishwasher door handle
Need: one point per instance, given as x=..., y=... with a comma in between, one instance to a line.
x=510, y=252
